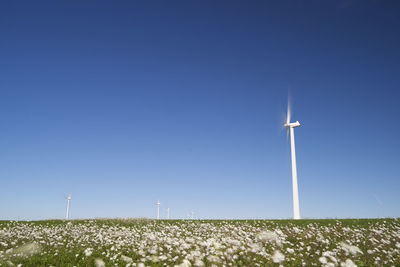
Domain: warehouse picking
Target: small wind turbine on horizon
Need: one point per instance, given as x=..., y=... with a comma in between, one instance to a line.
x=158, y=209
x=68, y=203
x=290, y=130
x=167, y=213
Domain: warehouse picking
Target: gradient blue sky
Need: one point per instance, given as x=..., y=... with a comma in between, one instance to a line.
x=122, y=103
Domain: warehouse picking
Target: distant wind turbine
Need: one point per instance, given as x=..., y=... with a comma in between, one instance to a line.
x=158, y=209
x=192, y=215
x=290, y=129
x=68, y=203
x=168, y=213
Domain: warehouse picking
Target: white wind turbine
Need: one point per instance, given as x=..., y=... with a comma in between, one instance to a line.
x=290, y=128
x=167, y=213
x=158, y=209
x=68, y=203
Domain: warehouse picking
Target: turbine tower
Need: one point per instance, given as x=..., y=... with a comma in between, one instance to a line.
x=168, y=213
x=158, y=209
x=68, y=201
x=290, y=128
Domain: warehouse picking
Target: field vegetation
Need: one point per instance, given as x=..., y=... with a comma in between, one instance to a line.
x=142, y=242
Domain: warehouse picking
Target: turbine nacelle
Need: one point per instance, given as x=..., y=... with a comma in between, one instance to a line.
x=293, y=124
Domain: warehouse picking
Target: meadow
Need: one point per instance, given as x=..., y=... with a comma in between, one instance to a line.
x=144, y=242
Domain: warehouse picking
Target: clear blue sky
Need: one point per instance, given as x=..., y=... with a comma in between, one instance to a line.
x=122, y=103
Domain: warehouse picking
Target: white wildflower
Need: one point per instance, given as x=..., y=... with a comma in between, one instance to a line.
x=278, y=257
x=28, y=249
x=348, y=263
x=185, y=263
x=323, y=260
x=88, y=252
x=126, y=259
x=351, y=249
x=213, y=258
x=291, y=251
x=198, y=263
x=155, y=258
x=268, y=236
x=99, y=263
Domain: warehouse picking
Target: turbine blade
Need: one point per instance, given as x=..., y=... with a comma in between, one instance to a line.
x=288, y=114
x=287, y=134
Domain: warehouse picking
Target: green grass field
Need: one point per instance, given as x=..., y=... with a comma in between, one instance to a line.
x=141, y=242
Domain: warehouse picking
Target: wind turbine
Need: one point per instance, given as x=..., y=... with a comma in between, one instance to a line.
x=158, y=209
x=68, y=203
x=290, y=128
x=167, y=213
x=192, y=215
